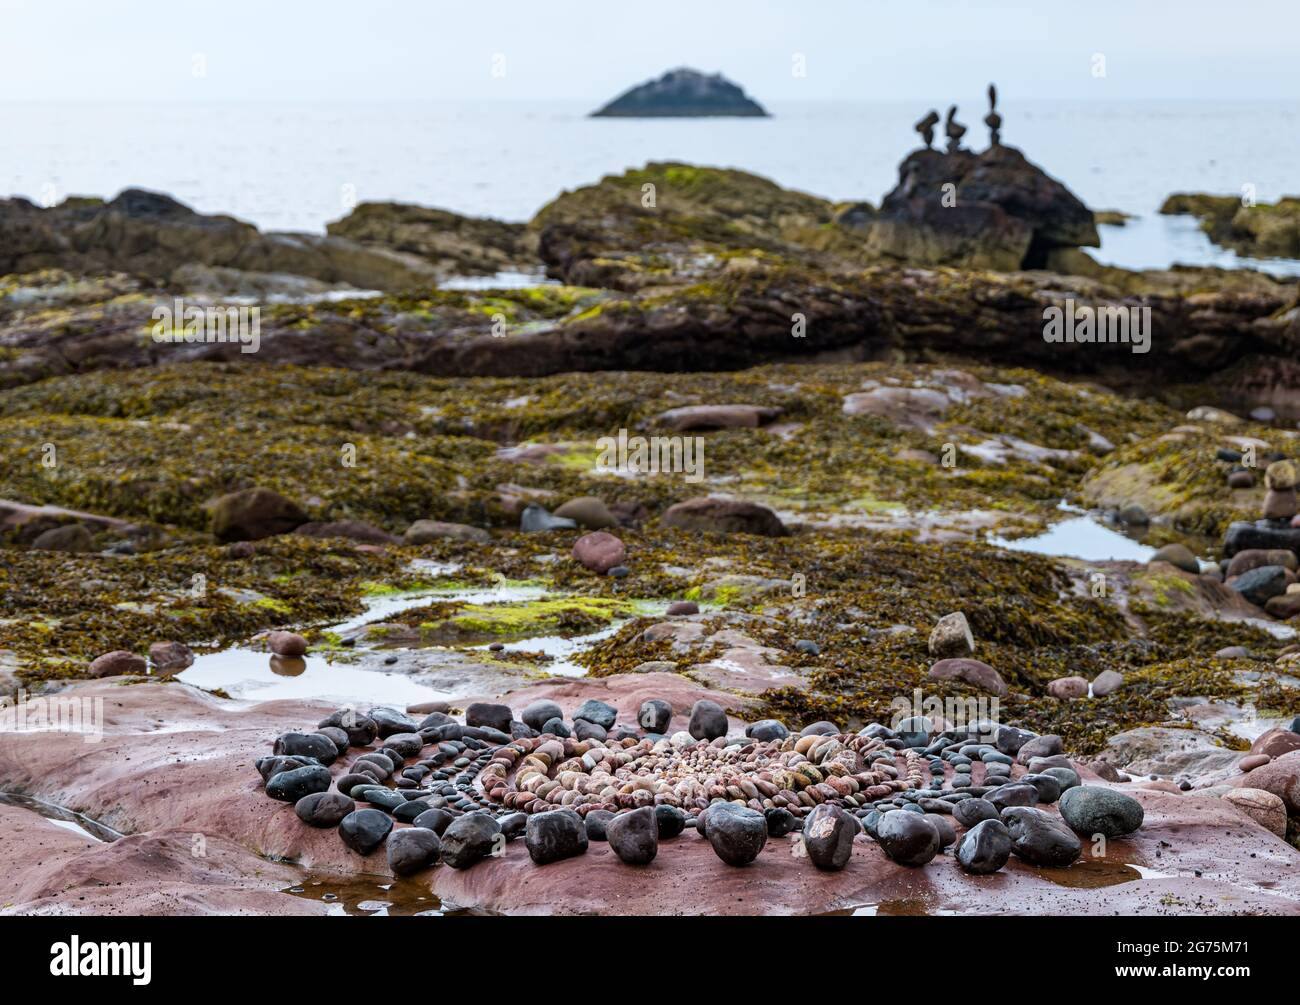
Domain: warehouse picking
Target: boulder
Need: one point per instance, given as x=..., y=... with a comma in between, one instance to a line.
x=1281, y=777
x=634, y=835
x=951, y=637
x=599, y=551
x=993, y=210
x=1261, y=584
x=587, y=511
x=708, y=720
x=556, y=835
x=1179, y=556
x=984, y=848
x=1040, y=838
x=974, y=672
x=711, y=515
x=1265, y=808
x=118, y=663
x=828, y=837
x=72, y=538
x=251, y=514
x=1094, y=809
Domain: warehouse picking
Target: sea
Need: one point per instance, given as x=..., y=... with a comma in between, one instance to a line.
x=297, y=166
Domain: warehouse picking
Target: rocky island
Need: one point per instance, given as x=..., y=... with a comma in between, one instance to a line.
x=683, y=93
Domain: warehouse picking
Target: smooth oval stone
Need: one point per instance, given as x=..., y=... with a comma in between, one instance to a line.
x=970, y=812
x=555, y=835
x=984, y=848
x=907, y=838
x=1067, y=777
x=828, y=837
x=669, y=821
x=406, y=744
x=1049, y=788
x=323, y=809
x=435, y=820
x=597, y=712
x=1013, y=795
x=489, y=714
x=361, y=729
x=336, y=736
x=469, y=839
x=382, y=762
x=736, y=833
x=767, y=729
x=290, y=786
x=597, y=824
x=634, y=835
x=379, y=795
x=780, y=821
x=584, y=730
x=556, y=727
x=307, y=745
x=269, y=767
x=947, y=832
x=364, y=830
x=708, y=720
x=512, y=824
x=1040, y=838
x=409, y=810
x=539, y=713
x=389, y=721
x=1091, y=809
x=654, y=715
x=412, y=849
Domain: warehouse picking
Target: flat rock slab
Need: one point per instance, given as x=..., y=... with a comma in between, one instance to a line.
x=175, y=767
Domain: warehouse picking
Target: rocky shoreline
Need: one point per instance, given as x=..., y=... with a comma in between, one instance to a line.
x=519, y=591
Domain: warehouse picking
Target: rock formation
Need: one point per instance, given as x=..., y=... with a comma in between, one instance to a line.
x=152, y=235
x=683, y=93
x=992, y=210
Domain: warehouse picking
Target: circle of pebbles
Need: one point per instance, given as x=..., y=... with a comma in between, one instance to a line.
x=442, y=771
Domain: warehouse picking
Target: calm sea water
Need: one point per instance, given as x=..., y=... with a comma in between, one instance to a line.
x=298, y=166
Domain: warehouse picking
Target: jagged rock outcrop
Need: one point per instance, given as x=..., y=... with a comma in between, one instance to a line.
x=450, y=242
x=150, y=235
x=1261, y=230
x=680, y=93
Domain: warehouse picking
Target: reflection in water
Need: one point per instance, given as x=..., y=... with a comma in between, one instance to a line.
x=373, y=897
x=1080, y=537
x=288, y=666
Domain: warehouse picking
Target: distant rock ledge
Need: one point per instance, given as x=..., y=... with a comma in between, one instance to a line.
x=683, y=93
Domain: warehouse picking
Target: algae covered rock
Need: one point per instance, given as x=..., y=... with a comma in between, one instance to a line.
x=252, y=514
x=711, y=515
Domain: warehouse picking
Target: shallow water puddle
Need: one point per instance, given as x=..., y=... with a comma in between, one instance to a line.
x=361, y=897
x=330, y=674
x=1082, y=537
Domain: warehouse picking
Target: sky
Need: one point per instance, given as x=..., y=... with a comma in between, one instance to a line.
x=591, y=50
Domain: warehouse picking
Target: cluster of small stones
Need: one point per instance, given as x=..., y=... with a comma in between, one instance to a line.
x=480, y=787
x=794, y=773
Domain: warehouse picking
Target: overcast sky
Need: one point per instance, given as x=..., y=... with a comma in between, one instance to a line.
x=592, y=49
